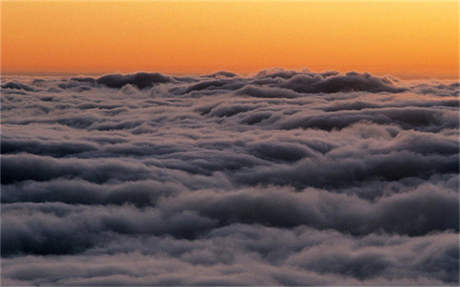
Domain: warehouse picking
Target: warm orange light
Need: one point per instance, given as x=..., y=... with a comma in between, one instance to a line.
x=402, y=38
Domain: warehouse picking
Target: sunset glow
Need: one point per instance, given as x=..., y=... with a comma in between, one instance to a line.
x=400, y=38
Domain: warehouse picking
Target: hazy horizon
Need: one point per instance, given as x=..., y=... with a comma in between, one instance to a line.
x=247, y=74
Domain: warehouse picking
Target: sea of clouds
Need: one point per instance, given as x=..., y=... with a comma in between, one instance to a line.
x=279, y=178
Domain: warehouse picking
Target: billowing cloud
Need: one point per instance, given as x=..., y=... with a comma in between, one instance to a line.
x=140, y=80
x=280, y=178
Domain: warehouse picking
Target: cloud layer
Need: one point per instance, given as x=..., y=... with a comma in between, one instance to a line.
x=280, y=178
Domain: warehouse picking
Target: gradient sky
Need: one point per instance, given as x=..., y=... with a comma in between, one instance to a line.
x=404, y=38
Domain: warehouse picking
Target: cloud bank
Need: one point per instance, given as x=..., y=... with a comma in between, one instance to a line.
x=280, y=178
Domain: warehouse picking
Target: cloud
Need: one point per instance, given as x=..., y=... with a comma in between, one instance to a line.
x=140, y=80
x=279, y=178
x=407, y=118
x=17, y=86
x=266, y=92
x=223, y=74
x=225, y=84
x=41, y=168
x=243, y=254
x=399, y=213
x=317, y=83
x=76, y=191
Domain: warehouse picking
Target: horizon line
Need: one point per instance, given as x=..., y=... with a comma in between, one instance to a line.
x=404, y=76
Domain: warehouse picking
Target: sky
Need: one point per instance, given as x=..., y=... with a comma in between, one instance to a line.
x=402, y=38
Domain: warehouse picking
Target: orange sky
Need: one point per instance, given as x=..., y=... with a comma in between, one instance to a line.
x=403, y=38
